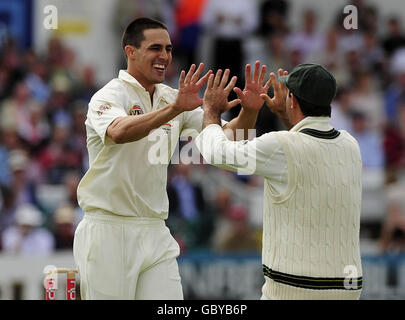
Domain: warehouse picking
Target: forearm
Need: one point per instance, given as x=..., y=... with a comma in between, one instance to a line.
x=133, y=128
x=219, y=151
x=211, y=117
x=245, y=121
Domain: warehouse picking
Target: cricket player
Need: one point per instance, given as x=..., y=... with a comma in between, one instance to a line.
x=312, y=188
x=122, y=247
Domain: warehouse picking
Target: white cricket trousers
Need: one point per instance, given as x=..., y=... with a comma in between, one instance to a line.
x=126, y=258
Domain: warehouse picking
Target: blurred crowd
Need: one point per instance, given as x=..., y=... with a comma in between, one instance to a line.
x=43, y=105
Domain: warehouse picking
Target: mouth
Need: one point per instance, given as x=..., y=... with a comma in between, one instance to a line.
x=159, y=67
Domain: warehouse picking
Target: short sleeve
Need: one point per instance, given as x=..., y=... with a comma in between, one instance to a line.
x=101, y=114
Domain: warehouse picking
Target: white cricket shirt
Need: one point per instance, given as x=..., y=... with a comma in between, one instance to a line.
x=130, y=179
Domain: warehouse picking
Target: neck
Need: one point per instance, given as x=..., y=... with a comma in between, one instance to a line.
x=148, y=87
x=297, y=119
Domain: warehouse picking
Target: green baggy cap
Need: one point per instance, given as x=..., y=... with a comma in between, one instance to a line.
x=311, y=83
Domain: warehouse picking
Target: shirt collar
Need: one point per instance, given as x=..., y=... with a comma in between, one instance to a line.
x=318, y=123
x=124, y=75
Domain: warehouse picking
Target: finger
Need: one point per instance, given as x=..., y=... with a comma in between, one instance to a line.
x=238, y=92
x=248, y=78
x=267, y=99
x=224, y=79
x=280, y=84
x=201, y=82
x=210, y=81
x=262, y=74
x=274, y=83
x=232, y=104
x=256, y=72
x=181, y=79
x=189, y=73
x=217, y=78
x=268, y=85
x=197, y=74
x=231, y=84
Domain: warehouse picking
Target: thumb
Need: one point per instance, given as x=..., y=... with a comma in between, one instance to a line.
x=238, y=92
x=267, y=99
x=232, y=104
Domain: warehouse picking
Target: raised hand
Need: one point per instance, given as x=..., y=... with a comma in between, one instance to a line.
x=189, y=87
x=250, y=96
x=216, y=94
x=278, y=102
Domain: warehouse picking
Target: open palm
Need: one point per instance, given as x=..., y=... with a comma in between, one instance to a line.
x=189, y=87
x=250, y=96
x=277, y=103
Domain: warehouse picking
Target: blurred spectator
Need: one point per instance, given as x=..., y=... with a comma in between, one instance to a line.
x=222, y=203
x=57, y=108
x=395, y=37
x=373, y=54
x=188, y=216
x=27, y=237
x=229, y=22
x=370, y=141
x=308, y=39
x=11, y=62
x=77, y=136
x=394, y=145
x=366, y=98
x=294, y=58
x=71, y=182
x=36, y=129
x=354, y=64
x=392, y=237
x=5, y=86
x=23, y=189
x=273, y=17
x=36, y=81
x=59, y=155
x=23, y=113
x=341, y=118
x=188, y=14
x=396, y=91
x=239, y=237
x=64, y=227
x=87, y=86
x=7, y=209
x=276, y=57
x=5, y=173
x=331, y=56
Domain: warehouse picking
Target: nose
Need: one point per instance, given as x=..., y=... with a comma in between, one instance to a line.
x=164, y=55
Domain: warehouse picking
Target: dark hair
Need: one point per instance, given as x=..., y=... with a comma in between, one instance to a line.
x=133, y=34
x=311, y=110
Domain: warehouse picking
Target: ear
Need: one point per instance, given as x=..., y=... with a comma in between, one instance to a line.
x=130, y=51
x=294, y=101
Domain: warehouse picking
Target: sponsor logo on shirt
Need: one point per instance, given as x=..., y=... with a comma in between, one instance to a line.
x=135, y=110
x=103, y=108
x=167, y=127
